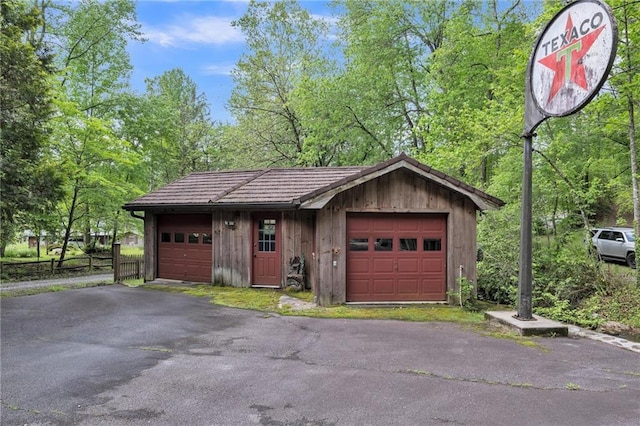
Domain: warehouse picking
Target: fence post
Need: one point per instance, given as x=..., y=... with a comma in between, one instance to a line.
x=52, y=262
x=116, y=263
x=90, y=262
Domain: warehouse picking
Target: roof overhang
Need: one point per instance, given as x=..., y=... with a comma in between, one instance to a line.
x=205, y=208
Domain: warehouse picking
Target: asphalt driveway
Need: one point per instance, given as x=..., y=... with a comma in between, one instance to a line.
x=123, y=356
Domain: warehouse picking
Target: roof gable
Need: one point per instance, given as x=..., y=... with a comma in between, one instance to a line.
x=322, y=196
x=307, y=188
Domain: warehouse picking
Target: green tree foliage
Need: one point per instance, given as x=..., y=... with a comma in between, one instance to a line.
x=283, y=49
x=93, y=61
x=478, y=91
x=27, y=183
x=95, y=162
x=177, y=133
x=388, y=48
x=93, y=70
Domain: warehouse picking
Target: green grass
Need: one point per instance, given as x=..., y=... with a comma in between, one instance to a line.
x=307, y=296
x=267, y=300
x=22, y=253
x=50, y=289
x=134, y=283
x=131, y=251
x=421, y=313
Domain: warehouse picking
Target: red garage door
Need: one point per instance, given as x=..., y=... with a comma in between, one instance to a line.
x=396, y=257
x=184, y=247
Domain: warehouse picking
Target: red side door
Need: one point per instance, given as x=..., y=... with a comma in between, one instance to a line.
x=267, y=251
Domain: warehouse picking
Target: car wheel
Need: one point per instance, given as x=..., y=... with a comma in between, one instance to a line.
x=631, y=260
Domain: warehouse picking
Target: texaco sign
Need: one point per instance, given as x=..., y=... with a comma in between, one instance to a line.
x=572, y=58
x=569, y=64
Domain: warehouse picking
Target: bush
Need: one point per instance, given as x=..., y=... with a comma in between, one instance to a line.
x=499, y=239
x=619, y=300
x=565, y=274
x=566, y=270
x=552, y=307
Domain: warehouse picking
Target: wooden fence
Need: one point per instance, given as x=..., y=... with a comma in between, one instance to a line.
x=126, y=266
x=53, y=267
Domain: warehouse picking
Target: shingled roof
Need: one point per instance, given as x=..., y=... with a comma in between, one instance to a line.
x=308, y=187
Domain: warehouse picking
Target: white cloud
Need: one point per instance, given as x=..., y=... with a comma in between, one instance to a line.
x=218, y=69
x=212, y=30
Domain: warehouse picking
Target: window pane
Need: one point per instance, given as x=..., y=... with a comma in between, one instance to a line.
x=206, y=238
x=267, y=235
x=408, y=244
x=604, y=235
x=384, y=244
x=178, y=237
x=432, y=244
x=359, y=244
x=193, y=238
x=165, y=237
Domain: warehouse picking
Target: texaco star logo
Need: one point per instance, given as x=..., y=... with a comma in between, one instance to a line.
x=567, y=63
x=572, y=57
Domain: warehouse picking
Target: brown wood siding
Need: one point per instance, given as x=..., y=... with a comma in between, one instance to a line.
x=297, y=237
x=150, y=246
x=324, y=257
x=398, y=192
x=232, y=248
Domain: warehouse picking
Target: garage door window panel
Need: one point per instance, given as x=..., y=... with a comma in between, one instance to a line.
x=206, y=239
x=194, y=238
x=178, y=237
x=359, y=244
x=432, y=244
x=384, y=244
x=165, y=237
x=408, y=244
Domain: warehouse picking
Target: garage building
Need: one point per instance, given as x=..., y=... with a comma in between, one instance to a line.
x=398, y=231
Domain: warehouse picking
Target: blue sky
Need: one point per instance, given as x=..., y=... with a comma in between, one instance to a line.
x=196, y=36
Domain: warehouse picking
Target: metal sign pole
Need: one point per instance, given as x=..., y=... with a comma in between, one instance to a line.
x=526, y=235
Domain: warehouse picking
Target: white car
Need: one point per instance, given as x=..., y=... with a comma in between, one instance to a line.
x=615, y=244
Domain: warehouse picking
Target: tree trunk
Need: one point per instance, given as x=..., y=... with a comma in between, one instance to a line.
x=634, y=180
x=633, y=153
x=38, y=245
x=67, y=231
